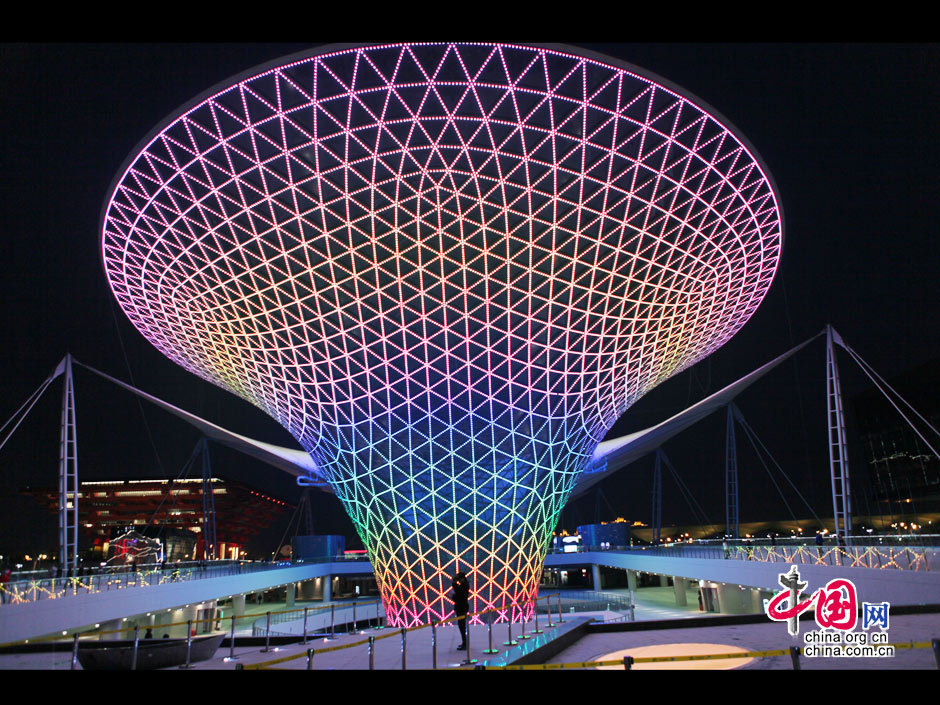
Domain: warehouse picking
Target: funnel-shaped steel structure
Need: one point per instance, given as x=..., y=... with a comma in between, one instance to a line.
x=446, y=269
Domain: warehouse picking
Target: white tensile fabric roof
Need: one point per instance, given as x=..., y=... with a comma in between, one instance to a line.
x=609, y=457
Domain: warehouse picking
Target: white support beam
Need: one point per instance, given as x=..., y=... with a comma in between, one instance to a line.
x=838, y=450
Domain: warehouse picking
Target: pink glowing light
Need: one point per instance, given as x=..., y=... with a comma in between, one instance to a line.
x=443, y=266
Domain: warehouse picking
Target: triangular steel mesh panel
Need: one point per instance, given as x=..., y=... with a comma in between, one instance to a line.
x=446, y=269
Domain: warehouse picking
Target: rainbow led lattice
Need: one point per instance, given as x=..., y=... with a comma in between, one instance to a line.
x=446, y=269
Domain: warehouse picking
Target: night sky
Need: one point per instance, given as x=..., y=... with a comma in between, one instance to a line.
x=850, y=134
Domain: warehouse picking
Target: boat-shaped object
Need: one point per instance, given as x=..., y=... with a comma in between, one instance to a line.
x=118, y=654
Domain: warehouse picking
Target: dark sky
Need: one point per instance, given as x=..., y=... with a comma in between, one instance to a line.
x=850, y=133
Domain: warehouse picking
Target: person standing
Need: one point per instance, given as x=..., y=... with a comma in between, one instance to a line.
x=841, y=553
x=461, y=600
x=4, y=582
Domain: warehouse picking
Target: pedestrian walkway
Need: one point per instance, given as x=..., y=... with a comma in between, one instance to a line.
x=418, y=651
x=419, y=648
x=660, y=603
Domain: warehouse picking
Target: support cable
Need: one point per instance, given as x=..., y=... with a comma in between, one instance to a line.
x=598, y=496
x=34, y=397
x=752, y=436
x=658, y=497
x=732, y=514
x=183, y=473
x=609, y=505
x=770, y=475
x=130, y=374
x=872, y=375
x=306, y=513
x=210, y=544
x=858, y=358
x=686, y=493
x=295, y=515
x=799, y=394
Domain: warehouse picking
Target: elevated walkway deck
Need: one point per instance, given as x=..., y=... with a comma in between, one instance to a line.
x=899, y=587
x=61, y=607
x=64, y=608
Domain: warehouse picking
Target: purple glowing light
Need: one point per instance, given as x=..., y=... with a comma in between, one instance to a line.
x=443, y=265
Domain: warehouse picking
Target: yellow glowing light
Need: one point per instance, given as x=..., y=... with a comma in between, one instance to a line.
x=666, y=650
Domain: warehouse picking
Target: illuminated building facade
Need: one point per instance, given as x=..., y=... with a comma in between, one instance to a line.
x=446, y=269
x=904, y=473
x=110, y=509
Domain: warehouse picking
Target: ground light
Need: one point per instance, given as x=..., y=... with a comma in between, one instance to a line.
x=682, y=649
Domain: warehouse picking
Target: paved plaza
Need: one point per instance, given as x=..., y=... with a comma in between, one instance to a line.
x=756, y=637
x=653, y=603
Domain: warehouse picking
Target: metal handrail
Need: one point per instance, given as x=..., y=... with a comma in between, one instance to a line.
x=808, y=540
x=32, y=590
x=361, y=611
x=878, y=557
